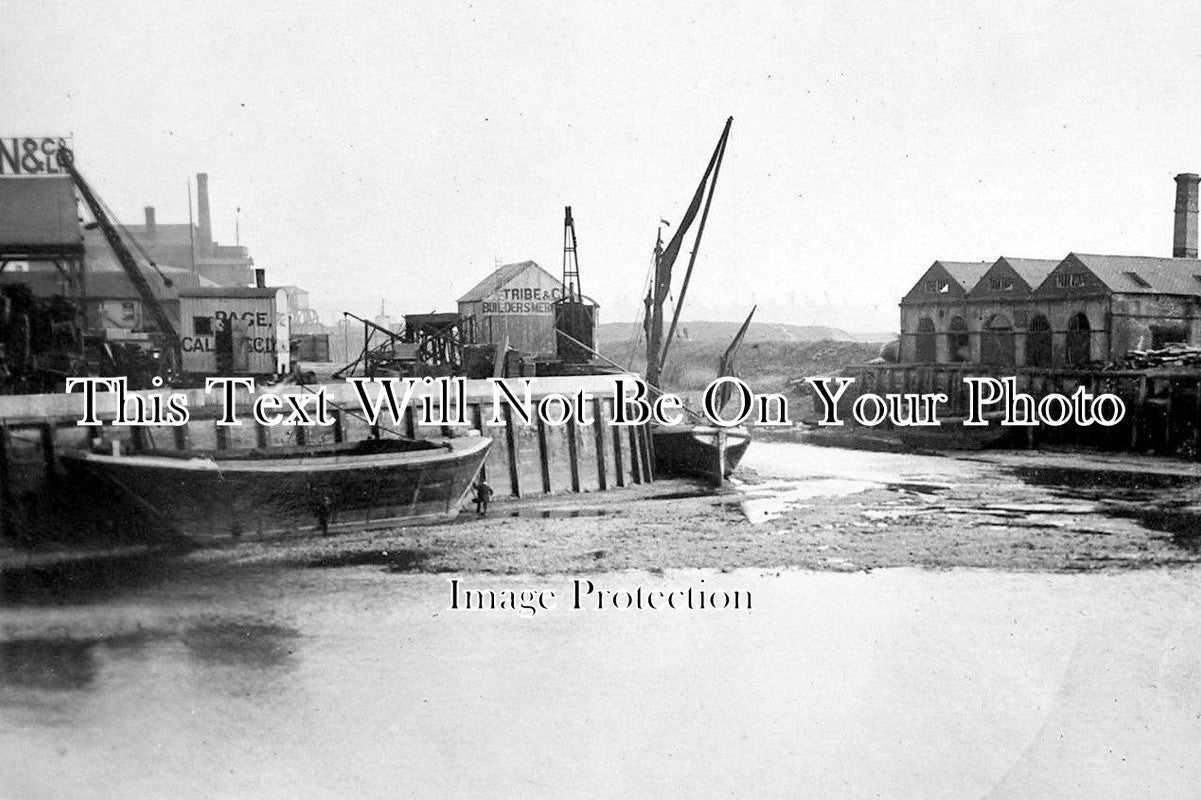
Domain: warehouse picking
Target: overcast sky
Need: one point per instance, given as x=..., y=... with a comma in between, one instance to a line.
x=399, y=150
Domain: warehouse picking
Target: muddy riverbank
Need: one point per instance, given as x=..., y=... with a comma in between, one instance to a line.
x=793, y=505
x=814, y=508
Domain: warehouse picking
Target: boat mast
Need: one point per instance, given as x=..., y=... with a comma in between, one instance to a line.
x=653, y=319
x=664, y=260
x=696, y=245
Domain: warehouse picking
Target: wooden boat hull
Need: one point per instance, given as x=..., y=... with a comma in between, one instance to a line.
x=699, y=451
x=215, y=495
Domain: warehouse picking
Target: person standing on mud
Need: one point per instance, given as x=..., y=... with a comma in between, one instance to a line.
x=483, y=495
x=325, y=513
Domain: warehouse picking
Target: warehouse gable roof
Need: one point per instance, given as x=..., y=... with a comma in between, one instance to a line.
x=966, y=273
x=1142, y=274
x=494, y=282
x=1032, y=270
x=947, y=279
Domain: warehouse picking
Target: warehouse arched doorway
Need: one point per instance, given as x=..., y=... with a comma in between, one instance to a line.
x=925, y=351
x=1079, y=339
x=1038, y=342
x=996, y=345
x=959, y=341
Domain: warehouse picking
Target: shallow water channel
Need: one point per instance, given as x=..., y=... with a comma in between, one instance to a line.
x=357, y=681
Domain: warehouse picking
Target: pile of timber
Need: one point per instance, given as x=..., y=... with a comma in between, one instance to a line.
x=1174, y=355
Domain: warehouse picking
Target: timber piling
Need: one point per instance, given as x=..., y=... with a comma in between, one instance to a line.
x=525, y=460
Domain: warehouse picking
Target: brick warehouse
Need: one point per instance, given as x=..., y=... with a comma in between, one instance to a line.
x=1046, y=313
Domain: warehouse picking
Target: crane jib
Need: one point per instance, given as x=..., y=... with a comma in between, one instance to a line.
x=150, y=301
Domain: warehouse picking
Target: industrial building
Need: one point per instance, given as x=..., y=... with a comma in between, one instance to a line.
x=513, y=305
x=192, y=247
x=54, y=268
x=1078, y=310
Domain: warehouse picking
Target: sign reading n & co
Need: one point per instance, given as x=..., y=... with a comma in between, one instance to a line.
x=31, y=155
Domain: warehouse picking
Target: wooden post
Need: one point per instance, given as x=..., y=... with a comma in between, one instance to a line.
x=511, y=445
x=49, y=463
x=544, y=456
x=1139, y=402
x=618, y=462
x=598, y=431
x=1167, y=418
x=1197, y=421
x=573, y=455
x=648, y=453
x=7, y=526
x=636, y=458
x=180, y=435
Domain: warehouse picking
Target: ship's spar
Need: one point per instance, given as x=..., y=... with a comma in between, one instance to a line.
x=657, y=346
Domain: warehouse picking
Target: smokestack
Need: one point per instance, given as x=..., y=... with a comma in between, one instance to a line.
x=260, y=278
x=1184, y=237
x=150, y=229
x=206, y=225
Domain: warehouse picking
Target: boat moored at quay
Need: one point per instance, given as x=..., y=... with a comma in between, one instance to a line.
x=205, y=495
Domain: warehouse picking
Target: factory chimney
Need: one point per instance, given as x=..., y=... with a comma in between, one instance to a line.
x=206, y=226
x=151, y=231
x=1184, y=237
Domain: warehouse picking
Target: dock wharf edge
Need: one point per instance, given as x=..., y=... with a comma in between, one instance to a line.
x=1163, y=405
x=525, y=460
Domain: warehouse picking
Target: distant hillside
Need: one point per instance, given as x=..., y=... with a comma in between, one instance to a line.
x=723, y=332
x=767, y=364
x=874, y=336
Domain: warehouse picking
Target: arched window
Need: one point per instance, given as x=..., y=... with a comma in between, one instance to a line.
x=959, y=343
x=1079, y=339
x=1038, y=342
x=925, y=350
x=996, y=344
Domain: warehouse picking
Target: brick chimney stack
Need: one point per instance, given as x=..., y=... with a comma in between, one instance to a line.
x=1184, y=237
x=151, y=231
x=204, y=222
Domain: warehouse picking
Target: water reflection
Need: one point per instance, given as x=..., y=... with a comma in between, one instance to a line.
x=257, y=645
x=83, y=581
x=397, y=559
x=1164, y=503
x=49, y=664
x=256, y=649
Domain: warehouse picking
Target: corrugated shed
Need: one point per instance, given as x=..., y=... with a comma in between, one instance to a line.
x=39, y=213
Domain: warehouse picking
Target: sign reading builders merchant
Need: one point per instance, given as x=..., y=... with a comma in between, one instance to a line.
x=31, y=155
x=522, y=300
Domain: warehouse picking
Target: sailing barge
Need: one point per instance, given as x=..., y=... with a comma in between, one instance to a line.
x=205, y=495
x=694, y=450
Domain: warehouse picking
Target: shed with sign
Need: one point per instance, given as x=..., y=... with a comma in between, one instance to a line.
x=231, y=330
x=514, y=304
